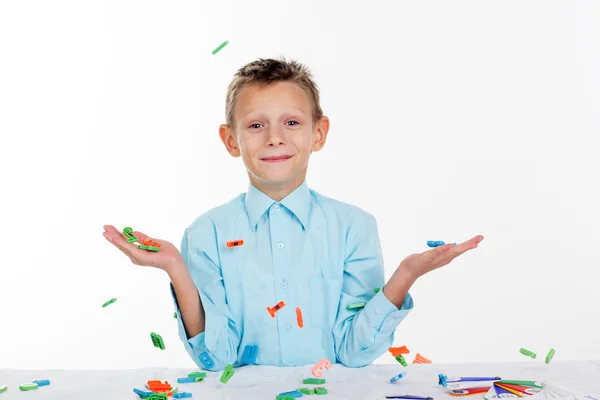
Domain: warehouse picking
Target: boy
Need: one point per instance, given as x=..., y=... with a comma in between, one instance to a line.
x=304, y=258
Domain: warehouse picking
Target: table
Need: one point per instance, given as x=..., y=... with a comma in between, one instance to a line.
x=265, y=382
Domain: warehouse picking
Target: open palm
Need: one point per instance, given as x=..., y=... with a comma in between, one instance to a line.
x=421, y=263
x=163, y=259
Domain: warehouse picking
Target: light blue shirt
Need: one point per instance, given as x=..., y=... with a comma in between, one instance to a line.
x=309, y=251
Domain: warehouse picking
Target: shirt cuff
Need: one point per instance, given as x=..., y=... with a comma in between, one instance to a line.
x=383, y=315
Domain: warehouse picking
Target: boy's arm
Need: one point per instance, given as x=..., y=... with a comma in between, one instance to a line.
x=203, y=310
x=188, y=300
x=364, y=335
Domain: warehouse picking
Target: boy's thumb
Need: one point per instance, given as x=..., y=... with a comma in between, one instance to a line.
x=141, y=237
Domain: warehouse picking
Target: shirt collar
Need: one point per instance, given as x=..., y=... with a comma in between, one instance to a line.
x=299, y=202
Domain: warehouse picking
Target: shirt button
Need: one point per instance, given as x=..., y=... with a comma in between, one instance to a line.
x=283, y=284
x=280, y=245
x=287, y=327
x=291, y=365
x=377, y=310
x=276, y=207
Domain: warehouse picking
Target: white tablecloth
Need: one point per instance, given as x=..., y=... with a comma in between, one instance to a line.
x=259, y=382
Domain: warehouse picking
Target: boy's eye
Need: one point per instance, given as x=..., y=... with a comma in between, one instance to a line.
x=255, y=126
x=292, y=123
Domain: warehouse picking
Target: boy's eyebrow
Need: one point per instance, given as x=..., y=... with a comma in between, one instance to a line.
x=291, y=111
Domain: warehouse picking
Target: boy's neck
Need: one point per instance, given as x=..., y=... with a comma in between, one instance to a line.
x=277, y=192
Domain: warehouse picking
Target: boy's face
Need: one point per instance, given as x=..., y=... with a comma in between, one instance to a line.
x=275, y=136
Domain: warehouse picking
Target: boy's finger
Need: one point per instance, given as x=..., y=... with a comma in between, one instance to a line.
x=112, y=231
x=140, y=236
x=119, y=242
x=468, y=245
x=109, y=228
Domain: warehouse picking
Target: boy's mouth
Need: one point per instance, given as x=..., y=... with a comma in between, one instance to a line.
x=276, y=158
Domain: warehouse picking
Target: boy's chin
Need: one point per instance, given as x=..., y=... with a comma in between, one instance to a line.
x=277, y=180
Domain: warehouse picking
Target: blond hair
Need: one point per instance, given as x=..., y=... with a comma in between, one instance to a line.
x=263, y=72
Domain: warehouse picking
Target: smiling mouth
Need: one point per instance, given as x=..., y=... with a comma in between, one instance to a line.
x=276, y=159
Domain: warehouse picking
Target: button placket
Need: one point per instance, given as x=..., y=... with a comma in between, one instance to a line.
x=280, y=260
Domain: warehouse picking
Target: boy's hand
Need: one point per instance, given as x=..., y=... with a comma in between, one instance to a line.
x=417, y=265
x=166, y=259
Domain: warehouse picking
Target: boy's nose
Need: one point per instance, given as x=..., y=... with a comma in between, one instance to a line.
x=272, y=143
x=275, y=138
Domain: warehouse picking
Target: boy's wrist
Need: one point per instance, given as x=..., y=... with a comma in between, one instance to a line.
x=398, y=286
x=176, y=269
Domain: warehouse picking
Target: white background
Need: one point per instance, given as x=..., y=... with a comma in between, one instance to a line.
x=449, y=119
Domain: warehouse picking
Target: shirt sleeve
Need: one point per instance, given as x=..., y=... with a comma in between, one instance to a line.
x=221, y=337
x=362, y=335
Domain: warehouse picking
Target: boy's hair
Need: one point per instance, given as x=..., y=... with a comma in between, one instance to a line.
x=263, y=72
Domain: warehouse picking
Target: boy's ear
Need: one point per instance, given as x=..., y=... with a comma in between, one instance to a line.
x=320, y=134
x=226, y=134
